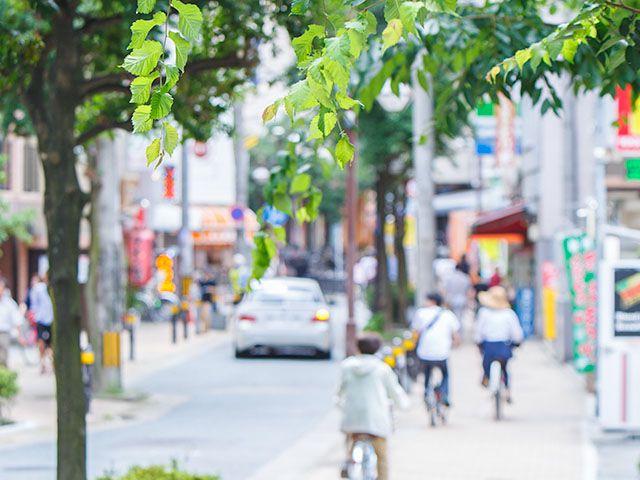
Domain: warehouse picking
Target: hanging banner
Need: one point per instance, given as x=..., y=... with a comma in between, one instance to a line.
x=580, y=263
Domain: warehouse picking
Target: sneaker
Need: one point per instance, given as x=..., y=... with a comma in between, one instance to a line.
x=344, y=470
x=507, y=397
x=485, y=381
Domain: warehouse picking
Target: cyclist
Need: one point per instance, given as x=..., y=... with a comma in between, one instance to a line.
x=368, y=389
x=439, y=330
x=497, y=331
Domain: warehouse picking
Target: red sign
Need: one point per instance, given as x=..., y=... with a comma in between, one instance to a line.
x=200, y=149
x=140, y=254
x=169, y=191
x=628, y=122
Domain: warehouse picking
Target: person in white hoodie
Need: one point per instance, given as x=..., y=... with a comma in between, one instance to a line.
x=368, y=389
x=10, y=320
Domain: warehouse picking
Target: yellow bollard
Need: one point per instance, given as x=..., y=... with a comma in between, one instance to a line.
x=111, y=349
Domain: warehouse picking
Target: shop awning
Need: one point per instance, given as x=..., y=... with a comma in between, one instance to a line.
x=210, y=225
x=509, y=221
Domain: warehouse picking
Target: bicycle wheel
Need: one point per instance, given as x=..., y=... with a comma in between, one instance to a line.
x=498, y=402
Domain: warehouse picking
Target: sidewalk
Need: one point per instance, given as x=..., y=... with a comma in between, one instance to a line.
x=34, y=410
x=542, y=437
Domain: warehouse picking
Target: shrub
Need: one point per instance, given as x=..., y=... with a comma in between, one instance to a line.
x=158, y=473
x=8, y=387
x=376, y=323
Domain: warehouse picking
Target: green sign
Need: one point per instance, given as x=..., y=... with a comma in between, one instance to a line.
x=632, y=166
x=580, y=262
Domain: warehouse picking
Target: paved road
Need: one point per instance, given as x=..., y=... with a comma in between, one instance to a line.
x=235, y=416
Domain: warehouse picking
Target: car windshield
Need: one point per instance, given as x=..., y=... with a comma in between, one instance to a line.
x=279, y=293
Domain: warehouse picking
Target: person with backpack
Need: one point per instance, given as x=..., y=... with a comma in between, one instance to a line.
x=438, y=330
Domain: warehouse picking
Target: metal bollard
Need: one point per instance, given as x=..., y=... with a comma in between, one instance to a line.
x=174, y=324
x=131, y=323
x=185, y=316
x=87, y=359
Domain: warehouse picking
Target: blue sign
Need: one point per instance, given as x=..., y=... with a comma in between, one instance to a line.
x=525, y=309
x=274, y=216
x=237, y=213
x=485, y=145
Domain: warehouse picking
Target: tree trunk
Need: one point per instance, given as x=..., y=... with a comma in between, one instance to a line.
x=401, y=256
x=383, y=301
x=51, y=98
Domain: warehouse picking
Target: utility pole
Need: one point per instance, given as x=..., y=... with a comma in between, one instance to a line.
x=186, y=244
x=423, y=153
x=352, y=212
x=242, y=173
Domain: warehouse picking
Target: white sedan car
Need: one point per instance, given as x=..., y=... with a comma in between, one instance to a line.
x=283, y=312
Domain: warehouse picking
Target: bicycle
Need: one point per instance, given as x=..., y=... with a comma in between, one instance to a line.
x=497, y=386
x=434, y=401
x=363, y=461
x=27, y=340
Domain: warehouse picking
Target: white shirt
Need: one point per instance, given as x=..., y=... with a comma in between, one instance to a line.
x=10, y=317
x=435, y=344
x=498, y=325
x=456, y=288
x=368, y=388
x=41, y=304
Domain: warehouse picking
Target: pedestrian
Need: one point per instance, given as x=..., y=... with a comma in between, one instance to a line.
x=498, y=330
x=495, y=279
x=438, y=330
x=10, y=320
x=368, y=389
x=43, y=313
x=456, y=289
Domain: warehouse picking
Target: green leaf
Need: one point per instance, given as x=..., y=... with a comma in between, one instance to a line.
x=300, y=183
x=183, y=47
x=145, y=6
x=171, y=138
x=288, y=106
x=346, y=102
x=391, y=35
x=140, y=29
x=189, y=19
x=280, y=233
x=270, y=112
x=172, y=76
x=357, y=42
x=300, y=96
x=153, y=151
x=391, y=9
x=142, y=61
x=337, y=73
x=270, y=246
x=303, y=45
x=141, y=88
x=299, y=7
x=142, y=119
x=160, y=105
x=344, y=151
x=569, y=49
x=408, y=14
x=282, y=202
x=338, y=49
x=522, y=57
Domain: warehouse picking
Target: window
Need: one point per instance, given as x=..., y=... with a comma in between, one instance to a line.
x=31, y=177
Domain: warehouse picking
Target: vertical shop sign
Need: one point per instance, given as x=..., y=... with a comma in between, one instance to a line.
x=580, y=263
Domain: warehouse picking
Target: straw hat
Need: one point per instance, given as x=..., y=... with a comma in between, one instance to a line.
x=495, y=297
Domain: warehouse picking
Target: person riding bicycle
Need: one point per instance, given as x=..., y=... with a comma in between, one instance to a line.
x=368, y=388
x=438, y=330
x=497, y=331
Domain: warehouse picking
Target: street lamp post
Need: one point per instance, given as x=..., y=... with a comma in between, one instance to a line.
x=351, y=201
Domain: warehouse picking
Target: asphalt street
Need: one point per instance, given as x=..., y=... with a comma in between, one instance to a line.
x=233, y=417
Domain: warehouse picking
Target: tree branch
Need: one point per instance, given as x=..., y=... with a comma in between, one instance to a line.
x=623, y=6
x=102, y=126
x=231, y=61
x=92, y=24
x=113, y=82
